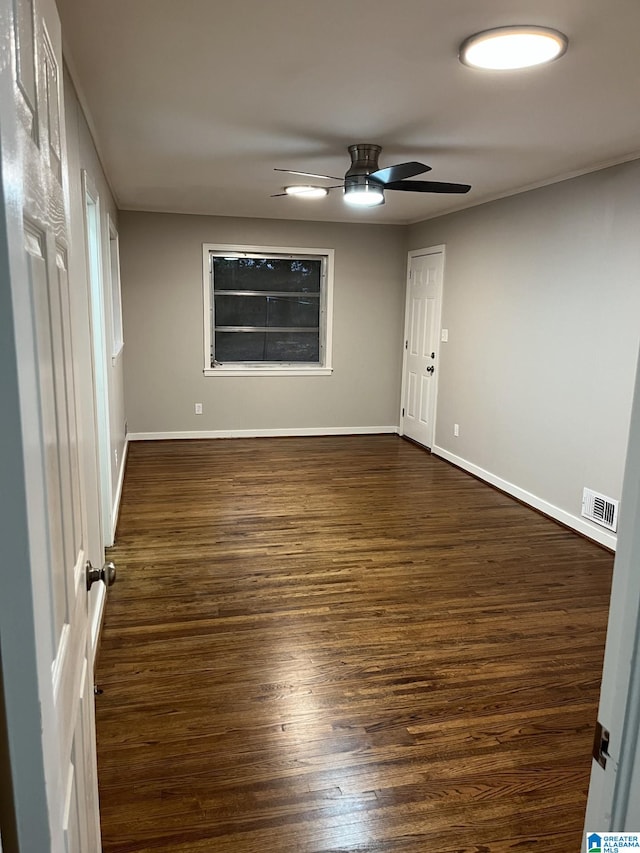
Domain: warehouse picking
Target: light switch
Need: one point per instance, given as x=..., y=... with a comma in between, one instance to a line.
x=444, y=335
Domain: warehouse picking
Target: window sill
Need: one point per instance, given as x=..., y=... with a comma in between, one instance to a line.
x=268, y=371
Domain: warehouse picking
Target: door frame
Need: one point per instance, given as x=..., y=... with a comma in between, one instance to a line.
x=416, y=253
x=99, y=346
x=115, y=293
x=619, y=706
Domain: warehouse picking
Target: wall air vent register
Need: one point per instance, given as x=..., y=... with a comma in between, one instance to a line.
x=601, y=509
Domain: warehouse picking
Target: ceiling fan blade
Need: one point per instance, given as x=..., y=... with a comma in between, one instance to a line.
x=400, y=171
x=427, y=187
x=308, y=174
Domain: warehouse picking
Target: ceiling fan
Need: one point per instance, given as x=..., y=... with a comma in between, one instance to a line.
x=365, y=182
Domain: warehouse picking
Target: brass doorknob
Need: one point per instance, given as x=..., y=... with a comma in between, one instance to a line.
x=107, y=574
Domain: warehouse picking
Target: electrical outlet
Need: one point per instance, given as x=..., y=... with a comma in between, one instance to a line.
x=444, y=335
x=198, y=408
x=456, y=430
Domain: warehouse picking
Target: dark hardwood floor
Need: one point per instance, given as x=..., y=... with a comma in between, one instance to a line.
x=343, y=644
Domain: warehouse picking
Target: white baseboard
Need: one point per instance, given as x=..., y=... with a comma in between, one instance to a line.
x=262, y=433
x=576, y=523
x=116, y=503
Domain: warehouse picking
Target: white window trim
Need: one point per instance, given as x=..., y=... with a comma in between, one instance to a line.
x=268, y=369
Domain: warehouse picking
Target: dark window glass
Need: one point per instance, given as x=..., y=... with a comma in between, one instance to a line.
x=296, y=311
x=275, y=274
x=266, y=310
x=267, y=346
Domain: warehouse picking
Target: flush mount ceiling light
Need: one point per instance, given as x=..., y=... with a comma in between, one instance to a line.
x=306, y=191
x=507, y=48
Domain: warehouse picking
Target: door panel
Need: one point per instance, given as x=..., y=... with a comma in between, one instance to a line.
x=55, y=508
x=425, y=387
x=417, y=323
x=411, y=395
x=424, y=289
x=35, y=240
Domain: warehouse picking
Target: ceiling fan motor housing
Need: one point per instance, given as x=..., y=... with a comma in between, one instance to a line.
x=364, y=161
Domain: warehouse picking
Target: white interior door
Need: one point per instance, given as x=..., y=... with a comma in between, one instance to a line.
x=614, y=792
x=422, y=334
x=49, y=695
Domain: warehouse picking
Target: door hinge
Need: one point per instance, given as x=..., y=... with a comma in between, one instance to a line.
x=406, y=344
x=601, y=740
x=403, y=413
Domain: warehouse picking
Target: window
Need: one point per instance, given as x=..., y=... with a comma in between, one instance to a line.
x=267, y=310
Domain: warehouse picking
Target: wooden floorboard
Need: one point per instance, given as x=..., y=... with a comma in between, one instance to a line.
x=321, y=645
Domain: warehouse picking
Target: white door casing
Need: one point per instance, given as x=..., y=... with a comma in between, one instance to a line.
x=421, y=344
x=47, y=669
x=614, y=792
x=93, y=232
x=117, y=336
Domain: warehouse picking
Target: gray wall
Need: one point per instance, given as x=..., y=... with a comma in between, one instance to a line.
x=542, y=304
x=161, y=261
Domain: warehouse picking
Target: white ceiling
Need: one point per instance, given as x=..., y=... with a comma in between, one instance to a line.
x=193, y=103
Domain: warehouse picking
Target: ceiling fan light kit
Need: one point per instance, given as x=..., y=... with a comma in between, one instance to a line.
x=510, y=48
x=363, y=196
x=306, y=191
